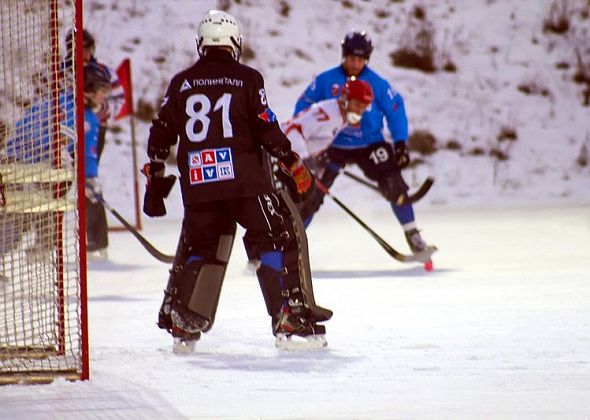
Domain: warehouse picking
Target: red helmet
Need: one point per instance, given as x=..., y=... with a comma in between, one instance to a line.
x=357, y=89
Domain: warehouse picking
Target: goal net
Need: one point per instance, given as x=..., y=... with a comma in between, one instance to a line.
x=42, y=275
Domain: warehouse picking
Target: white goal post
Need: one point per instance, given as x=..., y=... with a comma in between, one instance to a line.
x=43, y=297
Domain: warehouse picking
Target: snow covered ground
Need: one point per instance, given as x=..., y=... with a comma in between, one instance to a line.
x=500, y=329
x=498, y=46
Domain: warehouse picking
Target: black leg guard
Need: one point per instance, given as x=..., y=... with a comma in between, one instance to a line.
x=272, y=291
x=198, y=291
x=285, y=305
x=191, y=298
x=276, y=292
x=296, y=261
x=164, y=320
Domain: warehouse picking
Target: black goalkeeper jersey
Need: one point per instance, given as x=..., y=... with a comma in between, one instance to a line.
x=218, y=111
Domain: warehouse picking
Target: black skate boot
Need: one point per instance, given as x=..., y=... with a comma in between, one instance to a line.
x=186, y=329
x=295, y=331
x=164, y=319
x=188, y=321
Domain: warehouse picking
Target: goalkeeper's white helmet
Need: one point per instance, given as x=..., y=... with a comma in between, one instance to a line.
x=219, y=29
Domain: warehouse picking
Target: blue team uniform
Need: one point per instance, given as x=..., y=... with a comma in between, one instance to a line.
x=91, y=127
x=387, y=103
x=96, y=222
x=33, y=140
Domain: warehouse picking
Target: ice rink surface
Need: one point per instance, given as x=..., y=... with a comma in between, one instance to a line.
x=499, y=329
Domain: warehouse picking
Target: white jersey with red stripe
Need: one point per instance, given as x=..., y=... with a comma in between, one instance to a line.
x=312, y=130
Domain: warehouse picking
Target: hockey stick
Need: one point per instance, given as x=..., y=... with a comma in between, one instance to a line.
x=423, y=256
x=146, y=244
x=403, y=199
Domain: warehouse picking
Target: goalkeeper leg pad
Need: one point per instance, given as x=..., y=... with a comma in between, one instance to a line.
x=199, y=288
x=203, y=297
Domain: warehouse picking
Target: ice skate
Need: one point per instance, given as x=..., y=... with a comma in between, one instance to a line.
x=252, y=266
x=38, y=253
x=183, y=345
x=295, y=332
x=186, y=330
x=97, y=255
x=415, y=241
x=186, y=323
x=419, y=248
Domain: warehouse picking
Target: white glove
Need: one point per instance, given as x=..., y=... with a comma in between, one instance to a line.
x=92, y=189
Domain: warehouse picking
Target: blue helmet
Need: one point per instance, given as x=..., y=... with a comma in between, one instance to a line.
x=95, y=77
x=87, y=41
x=357, y=43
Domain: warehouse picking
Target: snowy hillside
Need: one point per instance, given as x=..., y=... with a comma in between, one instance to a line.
x=512, y=79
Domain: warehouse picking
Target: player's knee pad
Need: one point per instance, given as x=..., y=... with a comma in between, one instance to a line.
x=393, y=188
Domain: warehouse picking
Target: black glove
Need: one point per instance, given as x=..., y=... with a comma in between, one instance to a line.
x=157, y=188
x=402, y=159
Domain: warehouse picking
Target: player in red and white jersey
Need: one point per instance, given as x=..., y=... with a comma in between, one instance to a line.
x=311, y=131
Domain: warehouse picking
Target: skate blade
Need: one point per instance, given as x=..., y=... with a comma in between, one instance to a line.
x=97, y=255
x=425, y=255
x=182, y=346
x=251, y=267
x=295, y=342
x=38, y=256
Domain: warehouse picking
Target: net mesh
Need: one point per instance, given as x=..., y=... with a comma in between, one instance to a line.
x=40, y=320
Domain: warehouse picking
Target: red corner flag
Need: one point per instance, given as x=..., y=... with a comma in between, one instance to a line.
x=124, y=75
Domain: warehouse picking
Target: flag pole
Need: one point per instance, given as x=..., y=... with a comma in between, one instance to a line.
x=124, y=74
x=134, y=153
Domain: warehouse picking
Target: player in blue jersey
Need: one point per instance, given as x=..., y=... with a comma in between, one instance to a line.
x=365, y=144
x=111, y=106
x=97, y=87
x=35, y=141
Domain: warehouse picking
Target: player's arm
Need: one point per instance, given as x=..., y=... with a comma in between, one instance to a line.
x=19, y=146
x=163, y=132
x=310, y=96
x=294, y=133
x=313, y=129
x=392, y=105
x=273, y=140
x=162, y=136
